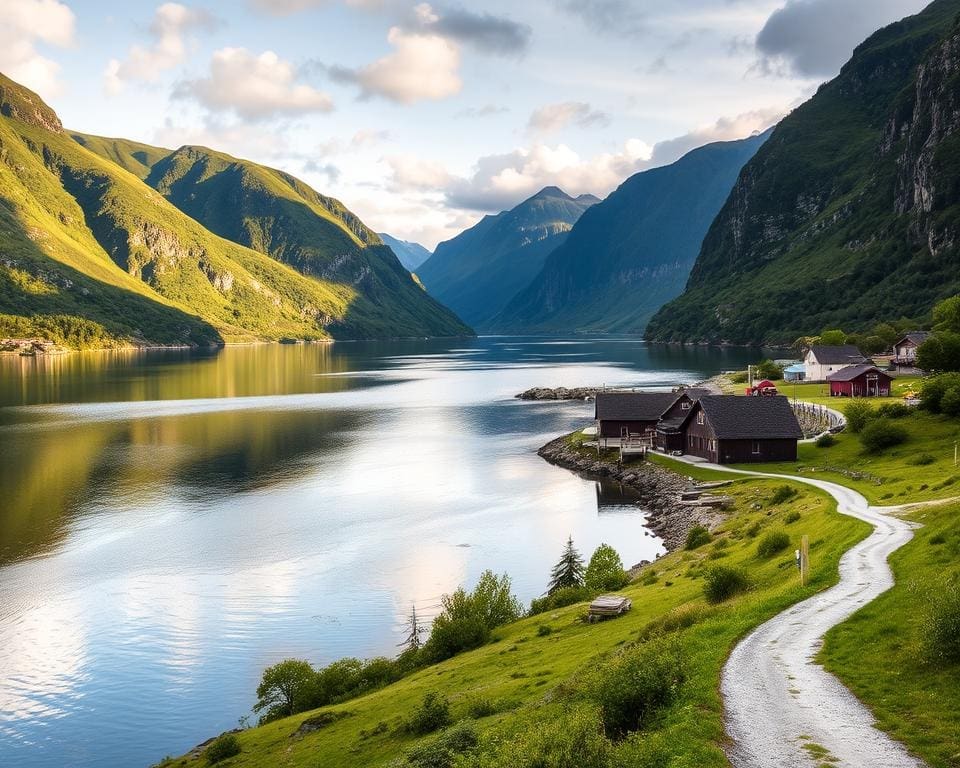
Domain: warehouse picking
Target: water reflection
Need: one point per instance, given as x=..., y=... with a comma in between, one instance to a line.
x=172, y=522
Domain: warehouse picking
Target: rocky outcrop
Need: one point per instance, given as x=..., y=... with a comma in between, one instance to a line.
x=24, y=105
x=558, y=393
x=659, y=489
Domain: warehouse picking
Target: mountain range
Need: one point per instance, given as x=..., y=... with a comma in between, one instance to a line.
x=477, y=272
x=106, y=242
x=411, y=255
x=849, y=212
x=632, y=252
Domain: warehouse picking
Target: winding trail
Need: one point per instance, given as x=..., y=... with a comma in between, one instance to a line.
x=777, y=699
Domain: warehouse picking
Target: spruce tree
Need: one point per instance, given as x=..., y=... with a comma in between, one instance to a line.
x=414, y=628
x=568, y=572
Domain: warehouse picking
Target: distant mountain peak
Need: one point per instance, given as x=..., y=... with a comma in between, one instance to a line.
x=586, y=197
x=22, y=104
x=551, y=191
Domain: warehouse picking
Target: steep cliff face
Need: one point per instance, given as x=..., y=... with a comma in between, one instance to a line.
x=846, y=214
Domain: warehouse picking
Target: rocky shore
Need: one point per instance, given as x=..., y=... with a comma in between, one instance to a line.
x=659, y=489
x=558, y=393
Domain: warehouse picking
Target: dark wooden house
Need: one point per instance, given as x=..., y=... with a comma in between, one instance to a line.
x=669, y=437
x=629, y=415
x=860, y=381
x=729, y=429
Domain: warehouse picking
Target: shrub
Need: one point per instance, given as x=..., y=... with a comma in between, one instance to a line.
x=636, y=683
x=940, y=622
x=921, y=460
x=442, y=752
x=560, y=599
x=224, y=746
x=722, y=582
x=697, y=537
x=479, y=708
x=605, y=570
x=858, y=413
x=571, y=738
x=934, y=389
x=881, y=434
x=772, y=543
x=893, y=410
x=792, y=517
x=432, y=715
x=783, y=494
x=826, y=440
x=754, y=530
x=740, y=377
x=767, y=369
x=288, y=687
x=467, y=618
x=950, y=403
x=544, y=630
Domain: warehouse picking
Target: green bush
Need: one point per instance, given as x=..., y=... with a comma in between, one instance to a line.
x=772, y=543
x=783, y=494
x=881, y=434
x=571, y=739
x=224, y=746
x=443, y=751
x=468, y=618
x=858, y=413
x=921, y=460
x=697, y=537
x=767, y=369
x=940, y=622
x=935, y=388
x=560, y=599
x=722, y=582
x=792, y=517
x=950, y=403
x=740, y=377
x=544, y=630
x=826, y=440
x=754, y=530
x=432, y=715
x=605, y=571
x=479, y=708
x=636, y=683
x=894, y=410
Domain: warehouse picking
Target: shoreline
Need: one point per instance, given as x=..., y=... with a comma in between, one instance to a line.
x=659, y=490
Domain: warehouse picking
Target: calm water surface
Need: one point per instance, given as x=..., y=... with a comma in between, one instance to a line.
x=171, y=523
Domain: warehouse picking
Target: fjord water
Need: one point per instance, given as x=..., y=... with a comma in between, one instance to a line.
x=172, y=522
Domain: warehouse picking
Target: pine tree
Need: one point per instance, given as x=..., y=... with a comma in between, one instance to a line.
x=414, y=628
x=568, y=572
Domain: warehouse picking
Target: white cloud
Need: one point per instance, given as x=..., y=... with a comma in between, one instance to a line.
x=255, y=87
x=555, y=117
x=171, y=22
x=423, y=67
x=238, y=139
x=284, y=7
x=360, y=140
x=413, y=173
x=26, y=23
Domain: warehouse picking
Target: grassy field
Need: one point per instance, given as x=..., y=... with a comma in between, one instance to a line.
x=877, y=652
x=531, y=677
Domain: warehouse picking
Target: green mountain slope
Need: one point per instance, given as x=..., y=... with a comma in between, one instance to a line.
x=481, y=269
x=280, y=216
x=849, y=213
x=411, y=255
x=632, y=252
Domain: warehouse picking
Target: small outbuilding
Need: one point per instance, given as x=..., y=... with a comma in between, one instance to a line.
x=629, y=415
x=860, y=381
x=729, y=429
x=795, y=372
x=905, y=350
x=820, y=360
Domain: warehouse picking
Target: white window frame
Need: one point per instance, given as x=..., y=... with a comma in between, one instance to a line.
x=700, y=418
x=755, y=448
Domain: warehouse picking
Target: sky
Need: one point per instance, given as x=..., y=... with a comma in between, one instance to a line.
x=423, y=116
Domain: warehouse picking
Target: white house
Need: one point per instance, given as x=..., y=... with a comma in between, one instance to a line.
x=820, y=361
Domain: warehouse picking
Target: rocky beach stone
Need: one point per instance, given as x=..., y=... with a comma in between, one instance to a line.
x=659, y=490
x=559, y=393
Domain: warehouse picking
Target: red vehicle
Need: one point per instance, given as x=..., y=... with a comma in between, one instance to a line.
x=763, y=388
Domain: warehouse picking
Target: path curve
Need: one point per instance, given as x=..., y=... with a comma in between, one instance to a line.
x=777, y=698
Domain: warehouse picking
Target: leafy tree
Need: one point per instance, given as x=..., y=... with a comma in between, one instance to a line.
x=493, y=600
x=568, y=572
x=940, y=353
x=887, y=332
x=946, y=315
x=858, y=412
x=833, y=338
x=285, y=688
x=605, y=570
x=935, y=388
x=767, y=369
x=950, y=403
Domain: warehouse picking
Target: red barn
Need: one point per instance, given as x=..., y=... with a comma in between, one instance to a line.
x=860, y=381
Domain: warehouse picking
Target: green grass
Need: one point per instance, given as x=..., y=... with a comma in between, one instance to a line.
x=530, y=675
x=876, y=652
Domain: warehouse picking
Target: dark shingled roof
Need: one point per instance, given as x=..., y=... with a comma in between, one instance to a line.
x=734, y=417
x=853, y=371
x=843, y=355
x=633, y=406
x=917, y=337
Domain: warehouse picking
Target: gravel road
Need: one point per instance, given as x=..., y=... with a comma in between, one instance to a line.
x=782, y=709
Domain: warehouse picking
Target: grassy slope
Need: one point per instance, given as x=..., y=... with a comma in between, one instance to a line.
x=528, y=673
x=875, y=652
x=816, y=204
x=278, y=215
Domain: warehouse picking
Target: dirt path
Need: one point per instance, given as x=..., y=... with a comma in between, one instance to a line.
x=784, y=709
